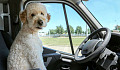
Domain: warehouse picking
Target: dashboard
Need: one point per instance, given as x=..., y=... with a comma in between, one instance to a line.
x=114, y=43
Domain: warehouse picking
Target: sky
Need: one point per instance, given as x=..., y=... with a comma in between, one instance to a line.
x=107, y=12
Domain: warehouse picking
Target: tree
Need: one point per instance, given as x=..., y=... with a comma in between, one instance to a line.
x=117, y=27
x=88, y=31
x=78, y=30
x=66, y=31
x=52, y=31
x=71, y=30
x=59, y=29
x=83, y=32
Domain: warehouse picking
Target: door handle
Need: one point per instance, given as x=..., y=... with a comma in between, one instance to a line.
x=65, y=68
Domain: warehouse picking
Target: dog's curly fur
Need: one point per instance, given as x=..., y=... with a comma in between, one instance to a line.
x=26, y=50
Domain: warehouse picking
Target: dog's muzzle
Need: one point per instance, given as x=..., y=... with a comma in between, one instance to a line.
x=40, y=22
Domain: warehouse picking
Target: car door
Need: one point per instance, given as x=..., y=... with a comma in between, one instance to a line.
x=66, y=30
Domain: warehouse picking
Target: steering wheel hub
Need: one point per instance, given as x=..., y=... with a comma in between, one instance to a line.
x=89, y=47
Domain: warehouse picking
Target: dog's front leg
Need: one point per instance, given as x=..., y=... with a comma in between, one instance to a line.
x=36, y=60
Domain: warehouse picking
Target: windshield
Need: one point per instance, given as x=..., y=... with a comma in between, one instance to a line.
x=107, y=12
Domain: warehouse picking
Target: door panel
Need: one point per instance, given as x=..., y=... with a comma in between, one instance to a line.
x=48, y=50
x=51, y=60
x=60, y=61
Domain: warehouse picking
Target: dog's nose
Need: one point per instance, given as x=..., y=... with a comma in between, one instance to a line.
x=40, y=22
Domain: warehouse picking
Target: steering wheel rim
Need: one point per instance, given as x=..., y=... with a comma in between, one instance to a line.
x=83, y=59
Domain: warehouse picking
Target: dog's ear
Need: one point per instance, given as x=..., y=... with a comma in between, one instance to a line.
x=23, y=16
x=48, y=17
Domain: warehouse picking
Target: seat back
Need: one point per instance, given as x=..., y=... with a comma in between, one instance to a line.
x=7, y=38
x=3, y=53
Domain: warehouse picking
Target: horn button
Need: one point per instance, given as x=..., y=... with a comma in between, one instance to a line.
x=89, y=46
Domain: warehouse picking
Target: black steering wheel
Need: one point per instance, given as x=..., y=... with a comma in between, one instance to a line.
x=90, y=48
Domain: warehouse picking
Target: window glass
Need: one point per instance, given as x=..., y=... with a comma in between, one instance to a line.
x=54, y=35
x=107, y=12
x=78, y=28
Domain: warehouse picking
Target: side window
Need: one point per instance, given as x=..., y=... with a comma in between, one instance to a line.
x=54, y=36
x=78, y=27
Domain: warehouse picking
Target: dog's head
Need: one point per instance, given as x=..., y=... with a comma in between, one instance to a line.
x=35, y=16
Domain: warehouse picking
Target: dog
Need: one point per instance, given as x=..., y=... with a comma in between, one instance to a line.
x=26, y=50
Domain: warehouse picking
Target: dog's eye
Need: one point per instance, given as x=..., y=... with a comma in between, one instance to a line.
x=32, y=15
x=42, y=14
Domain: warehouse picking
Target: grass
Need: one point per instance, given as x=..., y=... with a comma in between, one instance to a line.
x=61, y=41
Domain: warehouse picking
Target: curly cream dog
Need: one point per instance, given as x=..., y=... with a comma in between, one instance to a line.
x=26, y=50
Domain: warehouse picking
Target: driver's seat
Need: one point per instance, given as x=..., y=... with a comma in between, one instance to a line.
x=3, y=53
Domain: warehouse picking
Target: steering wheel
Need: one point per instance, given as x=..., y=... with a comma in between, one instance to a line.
x=90, y=48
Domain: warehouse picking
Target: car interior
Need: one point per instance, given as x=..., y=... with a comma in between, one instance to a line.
x=100, y=50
